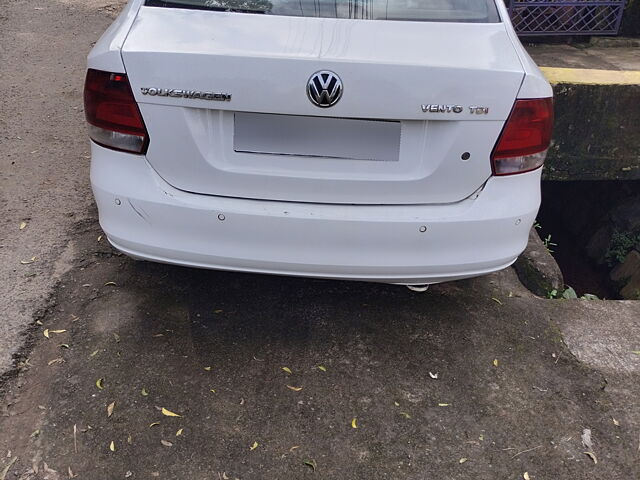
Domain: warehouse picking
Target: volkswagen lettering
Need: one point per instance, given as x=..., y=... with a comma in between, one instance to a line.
x=396, y=141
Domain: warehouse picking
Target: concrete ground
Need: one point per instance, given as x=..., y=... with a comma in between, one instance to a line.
x=44, y=155
x=623, y=55
x=475, y=379
x=470, y=380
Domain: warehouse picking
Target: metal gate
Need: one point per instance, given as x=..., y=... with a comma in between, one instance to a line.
x=566, y=17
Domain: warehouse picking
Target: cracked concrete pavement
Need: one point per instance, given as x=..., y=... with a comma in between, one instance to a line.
x=44, y=154
x=562, y=366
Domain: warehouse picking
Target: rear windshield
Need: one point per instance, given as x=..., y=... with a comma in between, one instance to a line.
x=474, y=11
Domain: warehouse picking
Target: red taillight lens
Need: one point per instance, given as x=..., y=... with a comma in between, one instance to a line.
x=524, y=140
x=112, y=112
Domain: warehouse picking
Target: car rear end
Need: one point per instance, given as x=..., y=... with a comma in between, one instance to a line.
x=385, y=141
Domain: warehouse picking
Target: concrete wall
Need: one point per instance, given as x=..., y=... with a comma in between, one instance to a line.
x=596, y=133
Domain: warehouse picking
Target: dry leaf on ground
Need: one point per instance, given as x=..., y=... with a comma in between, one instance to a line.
x=4, y=472
x=586, y=438
x=169, y=413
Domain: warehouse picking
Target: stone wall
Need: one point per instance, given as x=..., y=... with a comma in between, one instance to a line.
x=616, y=245
x=603, y=221
x=627, y=275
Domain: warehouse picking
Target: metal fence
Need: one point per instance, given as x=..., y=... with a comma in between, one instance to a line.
x=566, y=17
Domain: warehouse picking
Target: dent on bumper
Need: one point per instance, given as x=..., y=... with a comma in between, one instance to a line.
x=146, y=218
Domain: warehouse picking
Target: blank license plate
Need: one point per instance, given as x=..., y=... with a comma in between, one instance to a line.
x=317, y=136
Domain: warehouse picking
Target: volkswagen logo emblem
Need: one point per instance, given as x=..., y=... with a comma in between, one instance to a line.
x=324, y=88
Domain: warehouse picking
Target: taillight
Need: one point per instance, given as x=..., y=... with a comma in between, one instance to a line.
x=113, y=115
x=524, y=140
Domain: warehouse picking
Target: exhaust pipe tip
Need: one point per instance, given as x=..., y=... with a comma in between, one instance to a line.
x=418, y=288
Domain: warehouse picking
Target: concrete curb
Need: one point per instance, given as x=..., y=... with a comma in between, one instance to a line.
x=589, y=76
x=537, y=269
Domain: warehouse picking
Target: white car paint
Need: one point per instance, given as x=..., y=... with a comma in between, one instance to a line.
x=201, y=197
x=413, y=63
x=147, y=218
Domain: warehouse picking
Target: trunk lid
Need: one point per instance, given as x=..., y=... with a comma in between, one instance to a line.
x=376, y=145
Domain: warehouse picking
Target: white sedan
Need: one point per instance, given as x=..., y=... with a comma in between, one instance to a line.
x=393, y=141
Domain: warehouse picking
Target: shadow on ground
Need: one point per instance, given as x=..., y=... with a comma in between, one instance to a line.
x=509, y=397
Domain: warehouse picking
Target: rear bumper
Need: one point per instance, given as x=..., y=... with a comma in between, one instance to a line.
x=146, y=218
